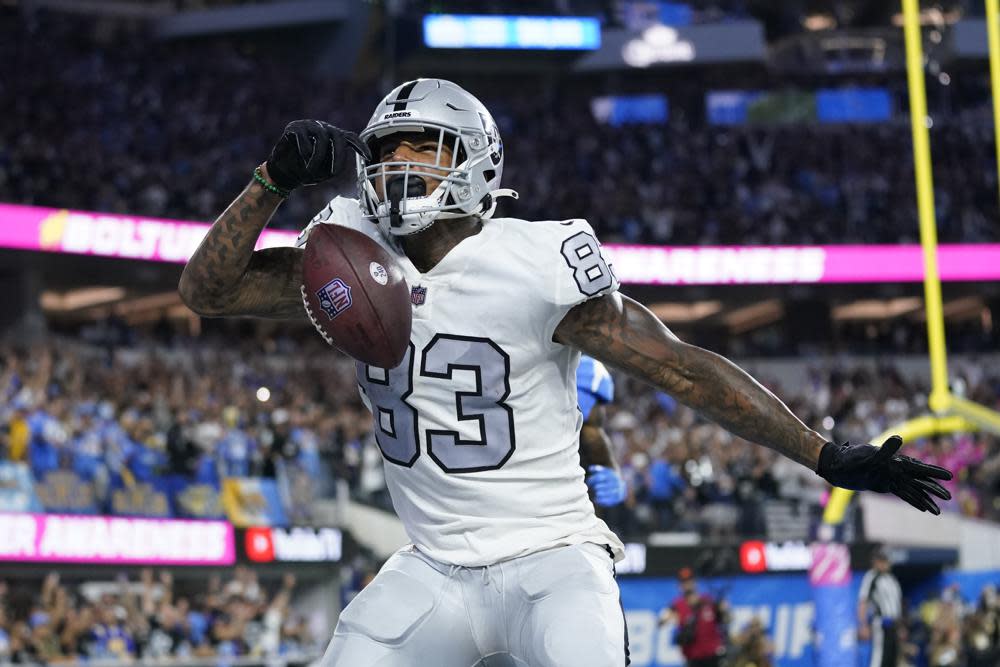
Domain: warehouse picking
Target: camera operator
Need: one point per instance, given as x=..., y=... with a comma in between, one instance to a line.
x=752, y=646
x=700, y=622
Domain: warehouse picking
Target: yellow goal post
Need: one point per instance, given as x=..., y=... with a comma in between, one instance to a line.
x=949, y=413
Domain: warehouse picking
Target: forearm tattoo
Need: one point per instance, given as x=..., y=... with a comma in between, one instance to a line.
x=624, y=334
x=225, y=277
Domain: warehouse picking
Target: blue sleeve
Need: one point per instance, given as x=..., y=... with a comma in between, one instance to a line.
x=586, y=401
x=593, y=385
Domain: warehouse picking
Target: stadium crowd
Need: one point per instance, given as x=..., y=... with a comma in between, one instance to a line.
x=178, y=127
x=946, y=630
x=149, y=619
x=688, y=474
x=121, y=417
x=288, y=409
x=943, y=630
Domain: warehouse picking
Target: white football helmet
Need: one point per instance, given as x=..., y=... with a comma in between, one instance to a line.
x=394, y=194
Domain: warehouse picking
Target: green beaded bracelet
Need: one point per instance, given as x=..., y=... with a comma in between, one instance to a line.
x=268, y=185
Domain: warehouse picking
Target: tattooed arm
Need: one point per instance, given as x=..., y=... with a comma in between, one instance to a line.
x=225, y=277
x=624, y=334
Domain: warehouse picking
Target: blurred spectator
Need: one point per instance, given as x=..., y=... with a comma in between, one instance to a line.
x=148, y=620
x=150, y=419
x=981, y=636
x=149, y=423
x=752, y=647
x=944, y=618
x=701, y=623
x=722, y=482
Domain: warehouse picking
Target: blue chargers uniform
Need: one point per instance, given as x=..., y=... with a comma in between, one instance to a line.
x=593, y=385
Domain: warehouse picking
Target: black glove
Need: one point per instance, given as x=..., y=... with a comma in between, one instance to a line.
x=310, y=151
x=864, y=467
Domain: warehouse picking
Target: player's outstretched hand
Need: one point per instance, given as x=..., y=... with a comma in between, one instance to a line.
x=864, y=467
x=311, y=151
x=608, y=486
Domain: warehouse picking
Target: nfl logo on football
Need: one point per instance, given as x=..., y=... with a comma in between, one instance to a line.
x=418, y=295
x=334, y=297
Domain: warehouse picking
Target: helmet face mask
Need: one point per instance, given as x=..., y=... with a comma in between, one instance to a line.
x=394, y=193
x=410, y=194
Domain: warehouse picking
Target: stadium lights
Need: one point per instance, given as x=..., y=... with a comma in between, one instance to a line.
x=754, y=316
x=875, y=309
x=964, y=308
x=931, y=16
x=658, y=44
x=470, y=31
x=817, y=22
x=80, y=298
x=151, y=302
x=685, y=312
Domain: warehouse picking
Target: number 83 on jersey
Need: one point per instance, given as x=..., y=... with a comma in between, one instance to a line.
x=397, y=424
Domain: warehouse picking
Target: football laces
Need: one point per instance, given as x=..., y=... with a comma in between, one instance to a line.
x=312, y=317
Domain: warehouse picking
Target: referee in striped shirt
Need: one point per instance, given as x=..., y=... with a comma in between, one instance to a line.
x=880, y=603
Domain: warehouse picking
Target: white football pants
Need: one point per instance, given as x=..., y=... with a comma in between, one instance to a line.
x=556, y=608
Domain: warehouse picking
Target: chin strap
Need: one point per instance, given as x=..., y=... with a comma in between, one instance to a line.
x=489, y=204
x=490, y=201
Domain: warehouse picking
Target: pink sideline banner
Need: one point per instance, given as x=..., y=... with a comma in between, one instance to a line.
x=65, y=538
x=757, y=265
x=106, y=235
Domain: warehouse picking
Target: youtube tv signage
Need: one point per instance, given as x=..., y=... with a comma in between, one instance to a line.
x=267, y=544
x=757, y=557
x=104, y=540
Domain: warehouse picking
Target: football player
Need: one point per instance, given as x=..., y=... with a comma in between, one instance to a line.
x=594, y=389
x=479, y=425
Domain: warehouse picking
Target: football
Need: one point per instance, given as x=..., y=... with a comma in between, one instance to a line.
x=355, y=294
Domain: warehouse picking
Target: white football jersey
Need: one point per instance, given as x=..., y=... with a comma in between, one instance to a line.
x=479, y=424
